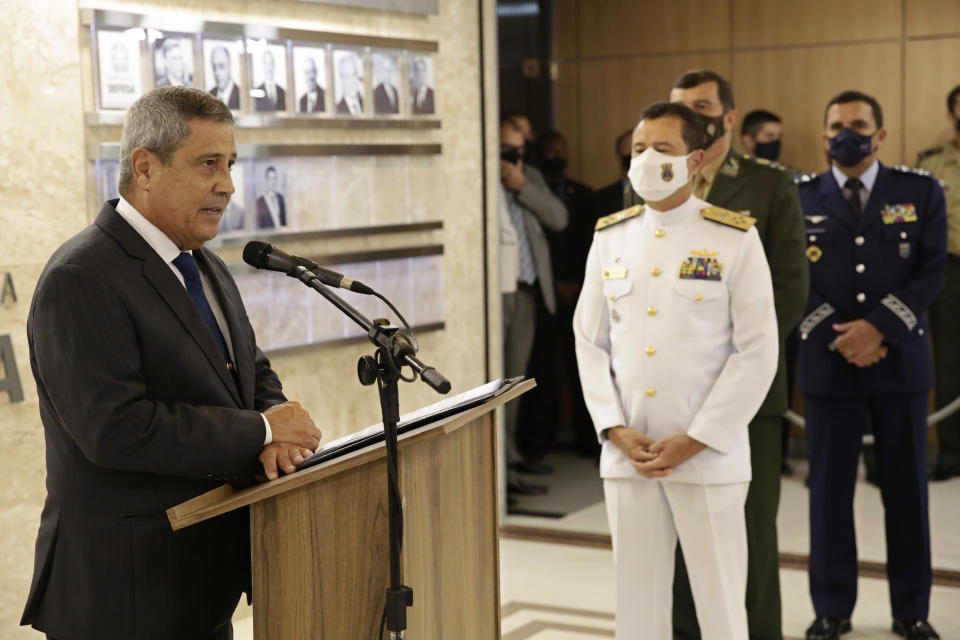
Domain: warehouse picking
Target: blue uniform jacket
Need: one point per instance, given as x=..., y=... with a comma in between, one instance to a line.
x=886, y=268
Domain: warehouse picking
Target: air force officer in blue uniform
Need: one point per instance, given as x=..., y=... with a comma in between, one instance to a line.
x=876, y=242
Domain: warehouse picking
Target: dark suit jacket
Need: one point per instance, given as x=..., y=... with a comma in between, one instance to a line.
x=381, y=100
x=320, y=104
x=139, y=414
x=264, y=104
x=343, y=108
x=234, y=101
x=902, y=271
x=424, y=107
x=264, y=219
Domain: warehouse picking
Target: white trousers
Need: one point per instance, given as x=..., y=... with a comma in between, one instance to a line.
x=647, y=517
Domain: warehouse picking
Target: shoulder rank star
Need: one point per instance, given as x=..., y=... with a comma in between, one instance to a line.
x=729, y=218
x=619, y=216
x=701, y=265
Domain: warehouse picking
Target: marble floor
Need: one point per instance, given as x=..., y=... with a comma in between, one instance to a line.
x=553, y=591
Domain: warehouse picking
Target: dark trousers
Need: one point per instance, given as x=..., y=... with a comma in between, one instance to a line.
x=835, y=435
x=763, y=561
x=944, y=314
x=225, y=632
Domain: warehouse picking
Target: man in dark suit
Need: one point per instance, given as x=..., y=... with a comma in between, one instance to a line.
x=386, y=98
x=766, y=192
x=152, y=391
x=421, y=94
x=314, y=98
x=175, y=71
x=877, y=249
x=351, y=86
x=272, y=97
x=616, y=196
x=271, y=208
x=225, y=87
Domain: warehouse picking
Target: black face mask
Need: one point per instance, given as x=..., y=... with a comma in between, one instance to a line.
x=513, y=156
x=625, y=162
x=553, y=166
x=714, y=128
x=767, y=150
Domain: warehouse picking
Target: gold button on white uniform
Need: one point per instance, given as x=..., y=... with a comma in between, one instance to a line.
x=651, y=393
x=659, y=233
x=656, y=272
x=612, y=298
x=698, y=297
x=860, y=268
x=651, y=311
x=861, y=297
x=650, y=351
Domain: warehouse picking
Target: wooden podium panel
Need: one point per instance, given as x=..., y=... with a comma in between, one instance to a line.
x=319, y=548
x=450, y=552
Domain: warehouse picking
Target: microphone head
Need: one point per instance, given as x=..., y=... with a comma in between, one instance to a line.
x=256, y=253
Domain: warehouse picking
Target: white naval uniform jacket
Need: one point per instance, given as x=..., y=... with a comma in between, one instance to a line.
x=667, y=355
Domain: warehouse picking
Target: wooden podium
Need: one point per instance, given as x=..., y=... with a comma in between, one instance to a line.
x=319, y=547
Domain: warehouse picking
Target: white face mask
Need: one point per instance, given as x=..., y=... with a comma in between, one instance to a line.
x=656, y=176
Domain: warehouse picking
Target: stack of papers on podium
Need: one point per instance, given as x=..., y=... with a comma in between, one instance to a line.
x=408, y=421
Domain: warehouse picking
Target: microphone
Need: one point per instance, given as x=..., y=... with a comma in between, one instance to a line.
x=262, y=255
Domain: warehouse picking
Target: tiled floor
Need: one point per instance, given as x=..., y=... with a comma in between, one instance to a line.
x=562, y=592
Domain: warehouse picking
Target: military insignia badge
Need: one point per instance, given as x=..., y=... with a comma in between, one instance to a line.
x=701, y=265
x=894, y=213
x=667, y=171
x=904, y=250
x=814, y=253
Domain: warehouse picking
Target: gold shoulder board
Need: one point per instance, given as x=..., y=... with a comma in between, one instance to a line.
x=619, y=216
x=729, y=218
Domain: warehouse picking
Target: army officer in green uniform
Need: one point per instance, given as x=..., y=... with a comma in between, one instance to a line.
x=763, y=190
x=944, y=163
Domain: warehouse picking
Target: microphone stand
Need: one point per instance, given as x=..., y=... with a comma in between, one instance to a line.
x=395, y=348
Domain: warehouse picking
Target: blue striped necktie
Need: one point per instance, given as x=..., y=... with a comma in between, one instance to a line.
x=187, y=265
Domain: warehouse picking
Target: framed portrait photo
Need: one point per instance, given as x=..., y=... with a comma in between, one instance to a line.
x=270, y=193
x=310, y=79
x=422, y=85
x=118, y=68
x=269, y=77
x=221, y=69
x=348, y=82
x=385, y=82
x=234, y=216
x=173, y=61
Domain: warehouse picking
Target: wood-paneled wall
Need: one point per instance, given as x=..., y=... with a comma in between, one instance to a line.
x=616, y=56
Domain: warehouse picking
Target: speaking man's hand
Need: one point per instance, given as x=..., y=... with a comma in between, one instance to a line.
x=290, y=423
x=281, y=457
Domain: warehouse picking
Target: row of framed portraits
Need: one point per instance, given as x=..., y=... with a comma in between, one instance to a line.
x=265, y=77
x=265, y=190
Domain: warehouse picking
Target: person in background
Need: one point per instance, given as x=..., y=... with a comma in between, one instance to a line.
x=557, y=404
x=944, y=163
x=761, y=133
x=766, y=192
x=677, y=345
x=529, y=136
x=877, y=246
x=531, y=207
x=617, y=195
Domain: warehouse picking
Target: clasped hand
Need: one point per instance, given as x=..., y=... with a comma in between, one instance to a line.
x=860, y=343
x=654, y=459
x=295, y=438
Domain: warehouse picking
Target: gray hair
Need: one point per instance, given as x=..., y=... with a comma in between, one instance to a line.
x=158, y=122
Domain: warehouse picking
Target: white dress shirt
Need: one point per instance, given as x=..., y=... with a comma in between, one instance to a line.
x=168, y=252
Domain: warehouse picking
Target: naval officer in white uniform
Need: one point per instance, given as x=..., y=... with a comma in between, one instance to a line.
x=677, y=346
